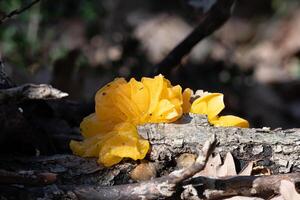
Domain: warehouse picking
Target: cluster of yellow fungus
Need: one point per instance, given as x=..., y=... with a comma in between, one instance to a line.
x=110, y=133
x=211, y=104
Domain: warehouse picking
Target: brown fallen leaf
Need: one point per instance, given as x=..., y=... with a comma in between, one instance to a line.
x=211, y=166
x=288, y=190
x=215, y=168
x=228, y=167
x=247, y=170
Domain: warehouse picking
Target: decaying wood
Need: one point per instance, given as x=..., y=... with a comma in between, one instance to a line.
x=31, y=91
x=164, y=186
x=160, y=187
x=277, y=149
x=71, y=169
x=261, y=186
x=26, y=178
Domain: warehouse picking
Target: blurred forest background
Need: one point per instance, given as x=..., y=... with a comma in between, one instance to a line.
x=78, y=46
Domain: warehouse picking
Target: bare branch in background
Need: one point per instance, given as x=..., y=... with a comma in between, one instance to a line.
x=211, y=21
x=31, y=91
x=18, y=11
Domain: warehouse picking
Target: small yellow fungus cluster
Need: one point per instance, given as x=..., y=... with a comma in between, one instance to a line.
x=211, y=104
x=111, y=147
x=111, y=134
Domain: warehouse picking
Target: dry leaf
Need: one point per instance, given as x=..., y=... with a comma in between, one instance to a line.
x=246, y=171
x=288, y=190
x=214, y=167
x=228, y=167
x=211, y=166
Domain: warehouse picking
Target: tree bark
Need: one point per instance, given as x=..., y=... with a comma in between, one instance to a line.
x=277, y=149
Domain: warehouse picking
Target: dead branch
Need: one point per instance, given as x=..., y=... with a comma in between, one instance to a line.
x=26, y=178
x=153, y=189
x=277, y=149
x=210, y=22
x=18, y=11
x=31, y=91
x=84, y=178
x=259, y=186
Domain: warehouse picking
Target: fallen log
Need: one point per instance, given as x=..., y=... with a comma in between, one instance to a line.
x=162, y=187
x=277, y=149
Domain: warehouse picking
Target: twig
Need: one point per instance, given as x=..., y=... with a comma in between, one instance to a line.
x=153, y=189
x=261, y=186
x=31, y=91
x=26, y=178
x=210, y=22
x=18, y=11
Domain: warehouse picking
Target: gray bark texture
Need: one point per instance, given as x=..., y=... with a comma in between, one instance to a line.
x=277, y=149
x=30, y=91
x=66, y=175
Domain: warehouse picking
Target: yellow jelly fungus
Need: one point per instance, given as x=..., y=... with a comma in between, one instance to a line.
x=122, y=142
x=230, y=120
x=186, y=96
x=211, y=105
x=90, y=125
x=111, y=134
x=151, y=100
